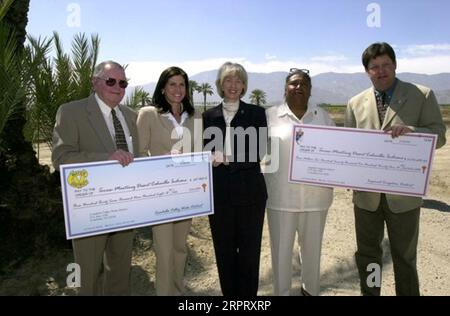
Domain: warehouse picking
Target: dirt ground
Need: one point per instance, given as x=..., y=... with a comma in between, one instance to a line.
x=338, y=274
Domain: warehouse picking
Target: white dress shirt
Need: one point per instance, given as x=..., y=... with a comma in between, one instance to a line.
x=106, y=111
x=283, y=195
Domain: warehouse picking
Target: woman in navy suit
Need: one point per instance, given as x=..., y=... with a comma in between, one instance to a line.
x=236, y=133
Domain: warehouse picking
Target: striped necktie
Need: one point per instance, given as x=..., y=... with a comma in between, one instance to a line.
x=121, y=142
x=381, y=106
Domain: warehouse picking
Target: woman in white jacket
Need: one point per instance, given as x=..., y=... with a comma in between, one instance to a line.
x=295, y=208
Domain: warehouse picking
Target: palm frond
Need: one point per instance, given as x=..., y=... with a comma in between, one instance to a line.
x=56, y=80
x=95, y=47
x=4, y=7
x=11, y=92
x=138, y=98
x=82, y=68
x=84, y=56
x=63, y=72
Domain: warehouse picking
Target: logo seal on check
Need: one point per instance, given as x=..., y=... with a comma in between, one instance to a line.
x=78, y=178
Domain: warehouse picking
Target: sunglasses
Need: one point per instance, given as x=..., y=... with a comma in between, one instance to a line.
x=111, y=82
x=294, y=70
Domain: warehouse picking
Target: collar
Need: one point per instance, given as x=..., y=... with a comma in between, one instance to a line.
x=170, y=116
x=389, y=92
x=106, y=109
x=231, y=106
x=284, y=110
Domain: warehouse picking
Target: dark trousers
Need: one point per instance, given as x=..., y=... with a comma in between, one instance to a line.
x=403, y=233
x=237, y=232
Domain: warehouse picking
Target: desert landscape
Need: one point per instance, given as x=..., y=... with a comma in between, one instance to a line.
x=47, y=275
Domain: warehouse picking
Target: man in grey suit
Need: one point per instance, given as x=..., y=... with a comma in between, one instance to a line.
x=398, y=108
x=89, y=130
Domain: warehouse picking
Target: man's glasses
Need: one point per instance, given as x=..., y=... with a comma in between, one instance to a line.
x=295, y=70
x=378, y=68
x=111, y=82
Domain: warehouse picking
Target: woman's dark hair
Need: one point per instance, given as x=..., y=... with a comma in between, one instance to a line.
x=159, y=100
x=375, y=50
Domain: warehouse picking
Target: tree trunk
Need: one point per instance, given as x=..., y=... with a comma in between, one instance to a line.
x=17, y=17
x=204, y=102
x=15, y=143
x=30, y=196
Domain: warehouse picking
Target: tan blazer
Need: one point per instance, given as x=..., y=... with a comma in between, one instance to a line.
x=81, y=135
x=412, y=105
x=155, y=133
x=157, y=136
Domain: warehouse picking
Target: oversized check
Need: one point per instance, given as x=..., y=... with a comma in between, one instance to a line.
x=361, y=159
x=102, y=197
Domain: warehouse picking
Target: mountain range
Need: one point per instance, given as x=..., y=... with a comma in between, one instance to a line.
x=330, y=88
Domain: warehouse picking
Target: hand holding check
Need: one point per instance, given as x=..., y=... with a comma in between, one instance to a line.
x=398, y=130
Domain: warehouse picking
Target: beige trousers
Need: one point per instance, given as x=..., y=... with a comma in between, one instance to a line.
x=171, y=254
x=105, y=262
x=283, y=227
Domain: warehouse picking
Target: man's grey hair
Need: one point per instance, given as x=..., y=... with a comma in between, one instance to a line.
x=100, y=68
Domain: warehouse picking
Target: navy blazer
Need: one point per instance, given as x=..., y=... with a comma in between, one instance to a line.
x=240, y=182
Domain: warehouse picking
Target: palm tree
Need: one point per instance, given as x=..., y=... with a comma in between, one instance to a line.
x=13, y=17
x=258, y=97
x=30, y=202
x=11, y=92
x=138, y=98
x=206, y=89
x=193, y=86
x=55, y=81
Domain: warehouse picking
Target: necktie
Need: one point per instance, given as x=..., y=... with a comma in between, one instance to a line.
x=121, y=142
x=381, y=106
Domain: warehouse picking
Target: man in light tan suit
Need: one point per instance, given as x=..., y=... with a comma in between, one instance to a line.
x=87, y=130
x=399, y=108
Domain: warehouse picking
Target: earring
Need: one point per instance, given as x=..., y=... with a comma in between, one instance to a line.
x=162, y=92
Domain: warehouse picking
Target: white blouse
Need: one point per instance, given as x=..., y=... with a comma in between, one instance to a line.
x=229, y=111
x=178, y=126
x=283, y=195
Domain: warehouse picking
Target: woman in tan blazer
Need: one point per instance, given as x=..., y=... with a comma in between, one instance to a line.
x=168, y=128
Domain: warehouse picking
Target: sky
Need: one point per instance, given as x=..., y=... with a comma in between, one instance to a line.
x=262, y=35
